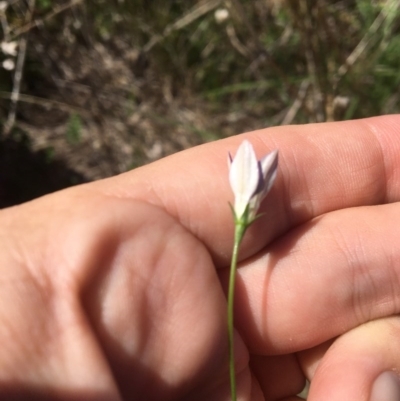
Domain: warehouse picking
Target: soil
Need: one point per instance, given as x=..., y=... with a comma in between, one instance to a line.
x=92, y=109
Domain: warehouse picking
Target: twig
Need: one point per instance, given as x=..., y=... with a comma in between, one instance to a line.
x=47, y=103
x=310, y=53
x=365, y=41
x=235, y=42
x=4, y=25
x=192, y=15
x=38, y=22
x=18, y=75
x=295, y=107
x=22, y=46
x=12, y=2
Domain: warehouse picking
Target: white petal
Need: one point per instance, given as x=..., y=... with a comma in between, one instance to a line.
x=243, y=176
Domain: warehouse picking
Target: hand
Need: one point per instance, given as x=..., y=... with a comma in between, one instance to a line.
x=112, y=290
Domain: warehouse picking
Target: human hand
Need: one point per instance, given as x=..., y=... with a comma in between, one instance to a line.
x=112, y=290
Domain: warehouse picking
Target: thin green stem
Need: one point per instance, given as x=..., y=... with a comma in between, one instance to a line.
x=240, y=228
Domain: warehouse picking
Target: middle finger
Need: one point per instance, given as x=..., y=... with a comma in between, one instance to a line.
x=320, y=280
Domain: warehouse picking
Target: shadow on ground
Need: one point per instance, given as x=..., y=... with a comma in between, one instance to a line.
x=25, y=175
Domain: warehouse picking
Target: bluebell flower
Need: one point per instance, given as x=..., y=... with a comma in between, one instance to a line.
x=250, y=180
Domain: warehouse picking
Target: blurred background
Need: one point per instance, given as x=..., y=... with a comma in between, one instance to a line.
x=90, y=89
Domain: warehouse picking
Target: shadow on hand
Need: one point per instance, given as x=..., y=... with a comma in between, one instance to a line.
x=19, y=392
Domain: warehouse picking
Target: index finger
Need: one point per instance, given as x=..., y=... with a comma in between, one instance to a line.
x=322, y=167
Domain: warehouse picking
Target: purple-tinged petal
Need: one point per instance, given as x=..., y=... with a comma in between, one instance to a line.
x=250, y=179
x=269, y=167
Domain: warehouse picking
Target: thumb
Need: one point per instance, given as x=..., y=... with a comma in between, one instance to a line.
x=362, y=364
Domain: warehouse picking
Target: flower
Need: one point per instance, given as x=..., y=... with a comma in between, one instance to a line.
x=250, y=180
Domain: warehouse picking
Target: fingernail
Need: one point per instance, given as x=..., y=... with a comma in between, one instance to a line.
x=386, y=388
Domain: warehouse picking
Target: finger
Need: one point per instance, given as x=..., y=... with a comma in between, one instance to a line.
x=322, y=167
x=361, y=365
x=324, y=278
x=309, y=359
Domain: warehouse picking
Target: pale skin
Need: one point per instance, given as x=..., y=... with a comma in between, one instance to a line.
x=115, y=290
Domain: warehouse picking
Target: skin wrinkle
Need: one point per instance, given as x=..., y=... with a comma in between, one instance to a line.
x=374, y=135
x=191, y=223
x=355, y=255
x=130, y=274
x=174, y=208
x=352, y=257
x=372, y=277
x=390, y=304
x=362, y=313
x=311, y=210
x=163, y=302
x=395, y=284
x=9, y=332
x=42, y=354
x=104, y=241
x=76, y=339
x=384, y=174
x=351, y=154
x=285, y=204
x=389, y=145
x=288, y=182
x=369, y=274
x=370, y=281
x=69, y=322
x=301, y=206
x=100, y=323
x=307, y=200
x=41, y=339
x=154, y=294
x=29, y=280
x=24, y=257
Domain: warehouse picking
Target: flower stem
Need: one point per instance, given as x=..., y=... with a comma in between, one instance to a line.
x=240, y=228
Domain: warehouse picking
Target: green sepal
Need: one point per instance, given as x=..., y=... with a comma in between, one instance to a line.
x=256, y=218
